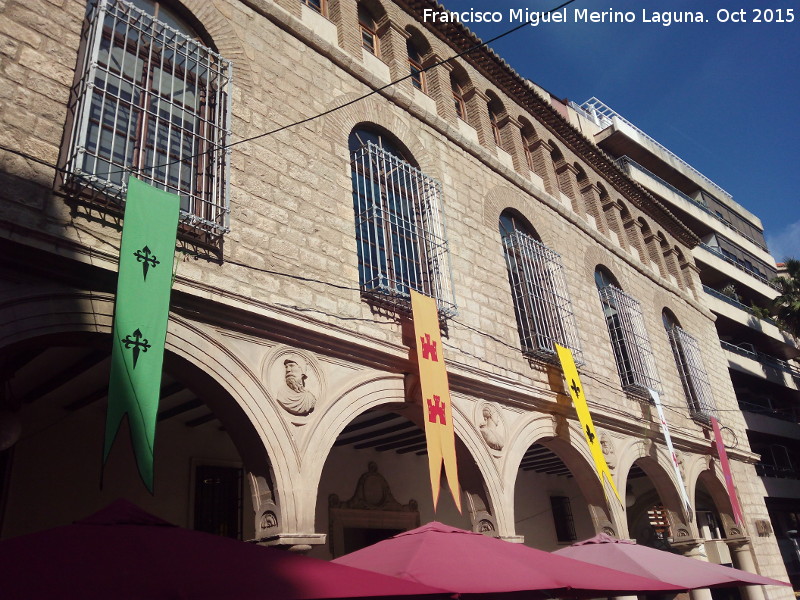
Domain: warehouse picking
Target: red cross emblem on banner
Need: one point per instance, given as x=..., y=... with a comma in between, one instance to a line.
x=436, y=410
x=428, y=348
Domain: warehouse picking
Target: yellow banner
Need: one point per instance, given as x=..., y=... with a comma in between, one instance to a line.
x=585, y=418
x=438, y=414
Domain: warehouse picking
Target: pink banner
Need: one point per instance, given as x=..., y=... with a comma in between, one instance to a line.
x=726, y=471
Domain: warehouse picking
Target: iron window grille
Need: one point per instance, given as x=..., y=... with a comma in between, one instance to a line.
x=541, y=301
x=400, y=231
x=152, y=102
x=693, y=373
x=632, y=351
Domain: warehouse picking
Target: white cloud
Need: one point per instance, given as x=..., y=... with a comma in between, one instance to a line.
x=786, y=243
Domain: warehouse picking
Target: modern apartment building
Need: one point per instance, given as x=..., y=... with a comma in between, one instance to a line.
x=736, y=270
x=327, y=164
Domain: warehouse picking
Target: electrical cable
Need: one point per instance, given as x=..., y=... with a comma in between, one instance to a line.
x=346, y=104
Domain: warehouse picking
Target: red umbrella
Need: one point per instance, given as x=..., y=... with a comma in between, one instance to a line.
x=464, y=562
x=125, y=553
x=686, y=572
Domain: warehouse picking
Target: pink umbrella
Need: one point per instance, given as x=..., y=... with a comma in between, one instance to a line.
x=686, y=572
x=468, y=563
x=125, y=553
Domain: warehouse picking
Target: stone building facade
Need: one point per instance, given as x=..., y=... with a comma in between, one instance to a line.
x=290, y=409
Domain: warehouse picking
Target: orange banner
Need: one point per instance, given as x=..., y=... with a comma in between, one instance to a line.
x=438, y=414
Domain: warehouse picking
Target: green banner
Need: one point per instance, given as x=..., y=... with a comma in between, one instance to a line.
x=146, y=256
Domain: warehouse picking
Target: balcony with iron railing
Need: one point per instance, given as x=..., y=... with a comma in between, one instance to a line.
x=765, y=359
x=628, y=165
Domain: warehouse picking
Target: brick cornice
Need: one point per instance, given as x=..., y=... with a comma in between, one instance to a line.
x=516, y=87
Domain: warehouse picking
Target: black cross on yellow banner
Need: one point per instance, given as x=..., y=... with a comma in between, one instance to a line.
x=585, y=418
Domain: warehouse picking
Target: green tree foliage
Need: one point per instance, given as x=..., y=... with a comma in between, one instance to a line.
x=786, y=307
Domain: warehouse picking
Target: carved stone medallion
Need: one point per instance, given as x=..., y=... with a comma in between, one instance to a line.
x=490, y=425
x=295, y=381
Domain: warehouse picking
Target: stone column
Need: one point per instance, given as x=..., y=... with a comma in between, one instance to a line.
x=395, y=54
x=344, y=14
x=567, y=176
x=742, y=557
x=439, y=88
x=695, y=548
x=592, y=202
x=543, y=165
x=512, y=143
x=478, y=116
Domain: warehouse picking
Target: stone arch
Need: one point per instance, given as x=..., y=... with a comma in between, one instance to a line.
x=219, y=28
x=565, y=439
x=376, y=390
x=50, y=316
x=702, y=471
x=562, y=171
x=685, y=268
x=611, y=212
x=652, y=458
x=669, y=259
x=338, y=125
x=498, y=121
x=632, y=234
x=503, y=197
x=652, y=247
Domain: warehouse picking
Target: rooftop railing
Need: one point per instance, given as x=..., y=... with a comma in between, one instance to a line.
x=603, y=115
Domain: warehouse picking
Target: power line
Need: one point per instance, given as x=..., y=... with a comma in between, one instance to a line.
x=346, y=104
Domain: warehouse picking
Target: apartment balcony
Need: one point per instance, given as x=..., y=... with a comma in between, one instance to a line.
x=762, y=419
x=735, y=311
x=621, y=137
x=744, y=358
x=780, y=482
x=728, y=269
x=695, y=208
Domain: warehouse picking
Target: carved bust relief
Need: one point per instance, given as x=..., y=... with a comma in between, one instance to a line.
x=295, y=381
x=490, y=425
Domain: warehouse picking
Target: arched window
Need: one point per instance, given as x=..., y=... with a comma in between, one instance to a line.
x=315, y=5
x=400, y=229
x=496, y=109
x=418, y=79
x=458, y=99
x=538, y=285
x=153, y=102
x=369, y=30
x=632, y=351
x=689, y=361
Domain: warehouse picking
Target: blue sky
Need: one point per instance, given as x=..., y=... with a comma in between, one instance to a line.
x=725, y=97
